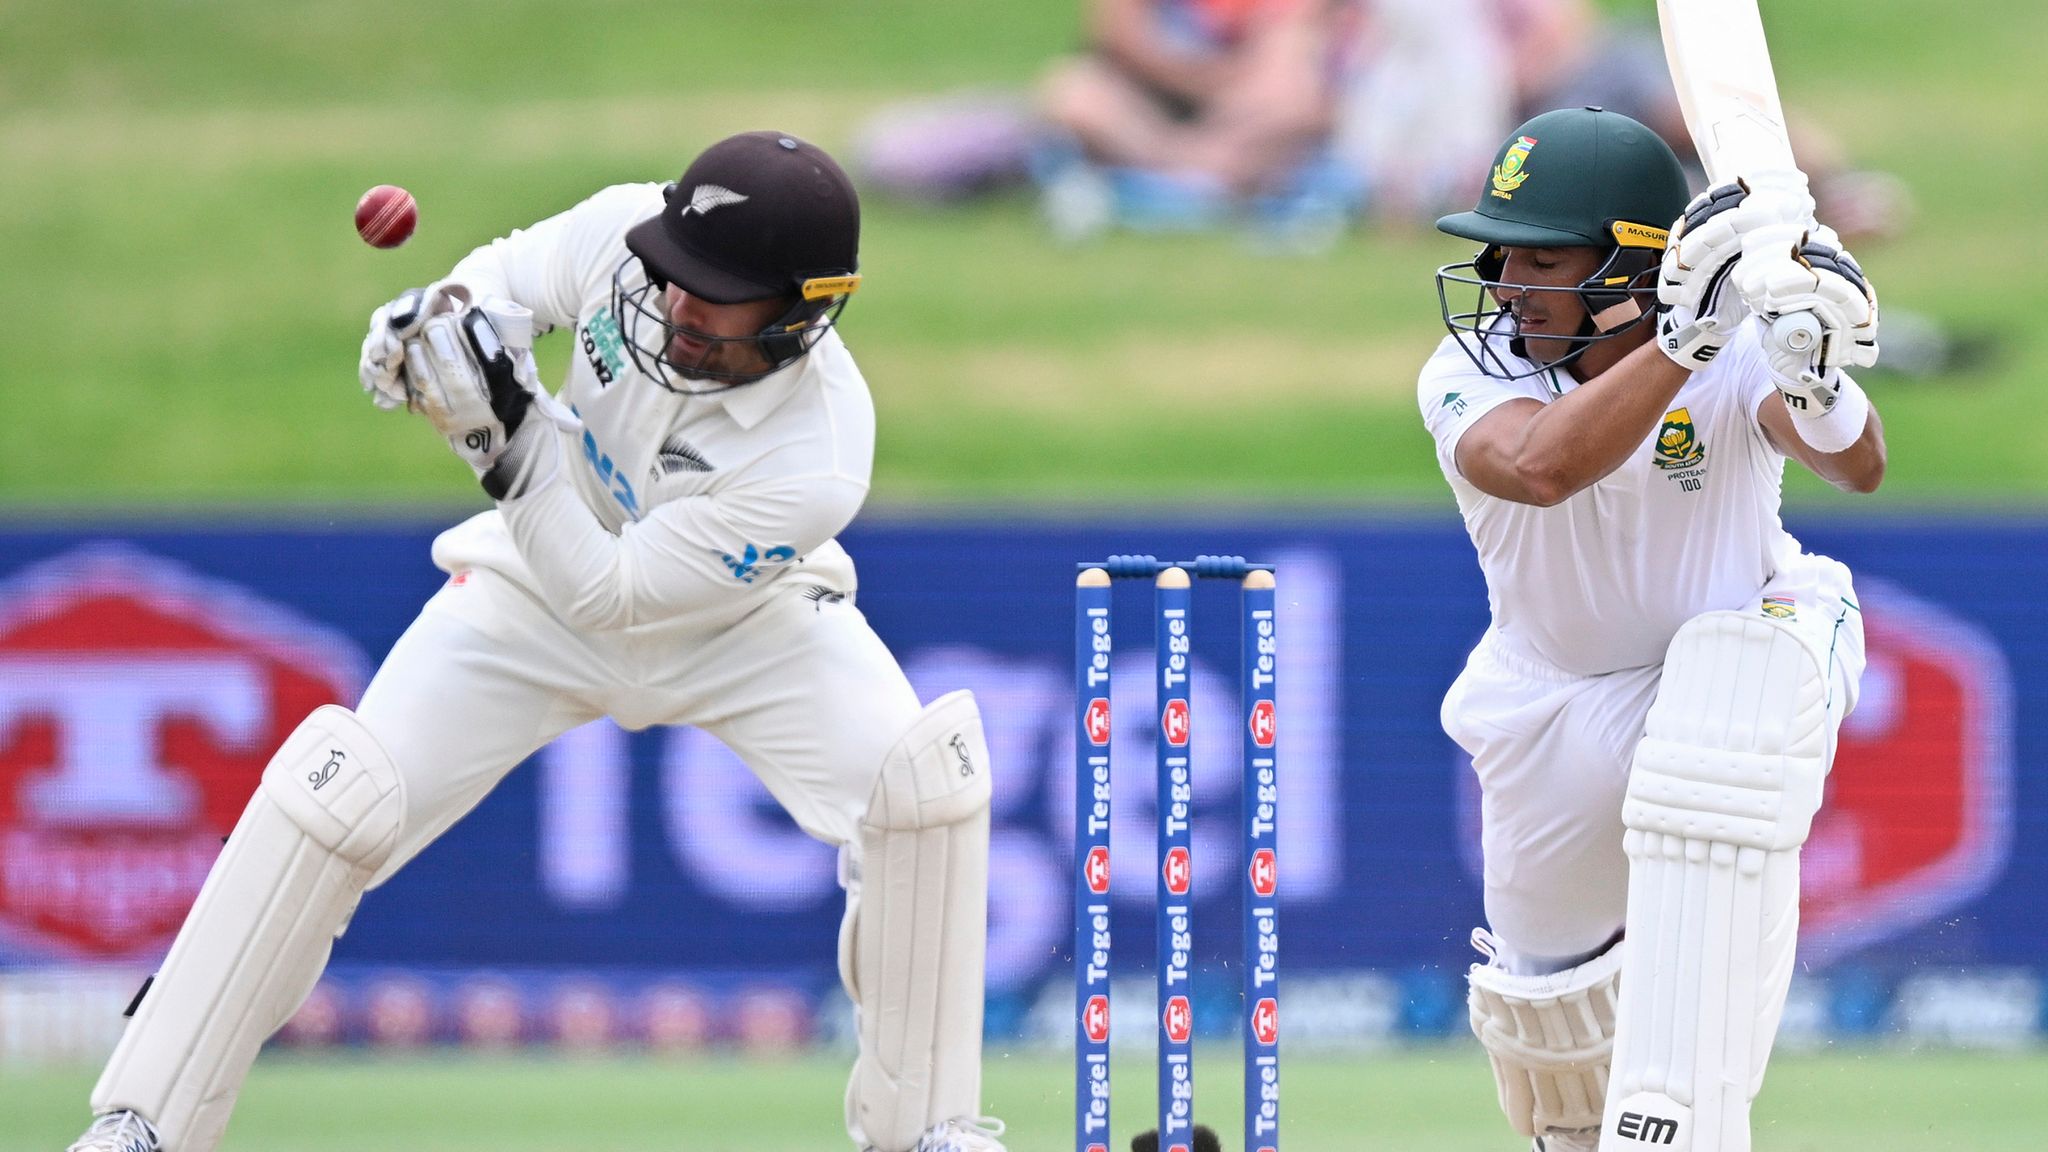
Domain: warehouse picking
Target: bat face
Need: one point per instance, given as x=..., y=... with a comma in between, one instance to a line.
x=1721, y=66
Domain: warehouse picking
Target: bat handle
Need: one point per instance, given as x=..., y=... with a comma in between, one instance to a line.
x=1795, y=332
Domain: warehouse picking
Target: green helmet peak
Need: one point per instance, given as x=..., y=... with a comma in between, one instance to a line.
x=1571, y=178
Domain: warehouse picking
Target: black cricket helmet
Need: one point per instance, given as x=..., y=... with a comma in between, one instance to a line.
x=1572, y=178
x=757, y=216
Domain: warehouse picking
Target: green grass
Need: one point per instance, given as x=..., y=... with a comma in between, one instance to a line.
x=1436, y=1099
x=187, y=295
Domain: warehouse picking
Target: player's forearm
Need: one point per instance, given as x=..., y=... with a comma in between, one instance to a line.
x=1584, y=435
x=686, y=556
x=548, y=266
x=518, y=272
x=1857, y=468
x=581, y=570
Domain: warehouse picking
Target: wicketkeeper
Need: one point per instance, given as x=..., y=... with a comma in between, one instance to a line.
x=1652, y=713
x=661, y=552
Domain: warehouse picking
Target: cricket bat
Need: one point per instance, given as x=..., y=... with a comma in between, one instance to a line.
x=1721, y=66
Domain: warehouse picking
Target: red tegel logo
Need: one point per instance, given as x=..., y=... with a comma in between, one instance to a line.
x=1262, y=723
x=1265, y=872
x=1177, y=871
x=1918, y=815
x=1095, y=1019
x=1096, y=720
x=139, y=704
x=1266, y=1021
x=1173, y=722
x=1097, y=869
x=1178, y=1020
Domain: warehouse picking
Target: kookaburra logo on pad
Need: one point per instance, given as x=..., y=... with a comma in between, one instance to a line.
x=319, y=777
x=705, y=197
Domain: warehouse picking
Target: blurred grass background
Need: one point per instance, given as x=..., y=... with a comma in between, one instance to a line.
x=187, y=293
x=1434, y=1099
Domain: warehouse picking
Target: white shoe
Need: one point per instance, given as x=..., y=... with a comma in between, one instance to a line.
x=967, y=1134
x=1584, y=1140
x=121, y=1131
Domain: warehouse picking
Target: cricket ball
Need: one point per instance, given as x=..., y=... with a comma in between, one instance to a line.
x=385, y=216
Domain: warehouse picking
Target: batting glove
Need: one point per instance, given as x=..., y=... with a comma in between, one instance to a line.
x=1700, y=309
x=1818, y=278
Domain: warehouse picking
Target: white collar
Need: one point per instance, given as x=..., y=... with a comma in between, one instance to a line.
x=749, y=404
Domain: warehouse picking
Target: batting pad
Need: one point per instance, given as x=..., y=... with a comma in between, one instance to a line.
x=911, y=950
x=1549, y=1038
x=324, y=818
x=1721, y=795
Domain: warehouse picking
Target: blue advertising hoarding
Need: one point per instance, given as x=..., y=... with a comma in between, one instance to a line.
x=643, y=886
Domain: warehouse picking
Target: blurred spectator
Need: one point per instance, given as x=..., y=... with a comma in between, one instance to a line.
x=1562, y=54
x=1183, y=112
x=1295, y=115
x=950, y=147
x=1428, y=94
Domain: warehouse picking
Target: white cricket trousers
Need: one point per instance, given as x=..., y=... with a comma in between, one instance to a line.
x=1552, y=751
x=800, y=688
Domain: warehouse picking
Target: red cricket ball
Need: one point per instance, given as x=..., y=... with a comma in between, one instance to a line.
x=385, y=216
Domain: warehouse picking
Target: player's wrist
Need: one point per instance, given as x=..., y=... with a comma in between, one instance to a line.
x=1839, y=425
x=1691, y=344
x=530, y=459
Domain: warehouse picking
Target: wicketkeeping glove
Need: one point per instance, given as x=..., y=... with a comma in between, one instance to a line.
x=383, y=362
x=472, y=374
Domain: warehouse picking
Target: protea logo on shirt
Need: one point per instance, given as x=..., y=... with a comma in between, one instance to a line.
x=1678, y=445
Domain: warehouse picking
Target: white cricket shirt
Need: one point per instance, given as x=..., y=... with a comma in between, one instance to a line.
x=665, y=507
x=1689, y=524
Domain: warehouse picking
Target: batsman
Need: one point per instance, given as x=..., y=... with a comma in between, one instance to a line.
x=1653, y=711
x=661, y=551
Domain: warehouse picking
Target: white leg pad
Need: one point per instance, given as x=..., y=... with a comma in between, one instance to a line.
x=324, y=818
x=1721, y=795
x=911, y=950
x=1549, y=1038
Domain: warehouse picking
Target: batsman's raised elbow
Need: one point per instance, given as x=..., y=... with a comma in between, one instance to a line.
x=1860, y=469
x=1863, y=482
x=1545, y=487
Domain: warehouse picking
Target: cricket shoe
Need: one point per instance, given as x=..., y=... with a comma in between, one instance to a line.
x=1584, y=1140
x=121, y=1131
x=968, y=1134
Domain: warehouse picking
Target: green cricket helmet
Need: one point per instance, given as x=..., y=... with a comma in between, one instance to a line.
x=1572, y=178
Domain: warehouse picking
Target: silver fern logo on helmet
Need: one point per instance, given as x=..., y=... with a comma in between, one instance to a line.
x=705, y=197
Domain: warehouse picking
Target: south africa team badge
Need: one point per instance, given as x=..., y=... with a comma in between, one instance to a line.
x=1508, y=175
x=1678, y=444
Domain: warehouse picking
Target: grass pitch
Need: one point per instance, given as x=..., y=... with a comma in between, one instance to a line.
x=1440, y=1100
